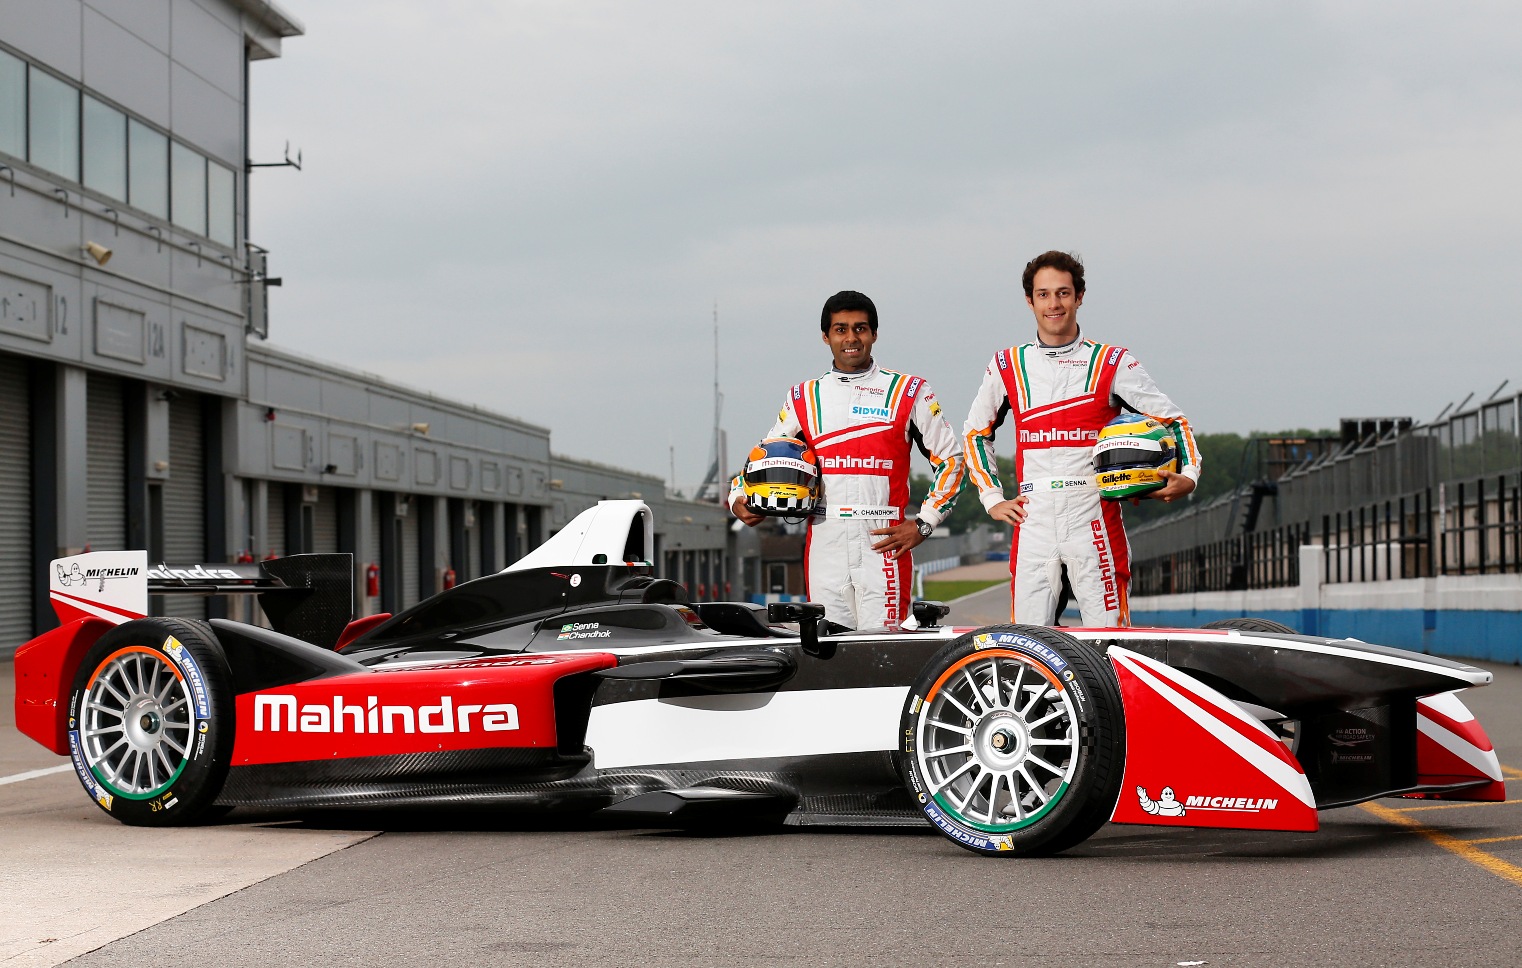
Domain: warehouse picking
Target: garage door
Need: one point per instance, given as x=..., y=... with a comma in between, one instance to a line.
x=409, y=553
x=377, y=501
x=16, y=578
x=106, y=494
x=325, y=522
x=185, y=498
x=275, y=521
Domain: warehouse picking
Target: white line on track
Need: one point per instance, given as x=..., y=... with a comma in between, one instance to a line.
x=34, y=774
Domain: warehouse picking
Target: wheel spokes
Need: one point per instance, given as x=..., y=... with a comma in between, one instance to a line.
x=1056, y=771
x=952, y=778
x=965, y=731
x=950, y=751
x=972, y=717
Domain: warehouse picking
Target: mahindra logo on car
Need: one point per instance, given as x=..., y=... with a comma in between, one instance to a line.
x=197, y=572
x=281, y=715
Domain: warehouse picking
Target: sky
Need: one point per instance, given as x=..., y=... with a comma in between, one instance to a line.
x=1291, y=212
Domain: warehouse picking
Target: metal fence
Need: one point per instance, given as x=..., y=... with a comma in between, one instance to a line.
x=1260, y=559
x=1429, y=464
x=1471, y=527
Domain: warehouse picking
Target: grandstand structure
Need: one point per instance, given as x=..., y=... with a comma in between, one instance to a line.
x=1398, y=522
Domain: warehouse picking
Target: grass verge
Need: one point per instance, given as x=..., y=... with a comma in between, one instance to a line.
x=945, y=591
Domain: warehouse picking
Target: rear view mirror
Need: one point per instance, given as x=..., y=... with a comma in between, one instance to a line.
x=808, y=615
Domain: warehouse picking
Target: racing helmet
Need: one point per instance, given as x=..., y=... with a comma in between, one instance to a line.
x=1132, y=448
x=781, y=477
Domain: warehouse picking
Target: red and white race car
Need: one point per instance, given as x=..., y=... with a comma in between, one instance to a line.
x=574, y=681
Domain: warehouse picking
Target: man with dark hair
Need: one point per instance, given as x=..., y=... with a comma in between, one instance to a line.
x=860, y=420
x=1062, y=389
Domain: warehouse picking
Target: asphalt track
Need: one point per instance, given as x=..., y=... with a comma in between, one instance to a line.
x=1394, y=882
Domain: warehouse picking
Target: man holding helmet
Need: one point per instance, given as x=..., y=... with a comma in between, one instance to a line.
x=1063, y=391
x=857, y=424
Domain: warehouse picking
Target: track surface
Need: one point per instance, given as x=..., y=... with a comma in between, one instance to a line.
x=1392, y=883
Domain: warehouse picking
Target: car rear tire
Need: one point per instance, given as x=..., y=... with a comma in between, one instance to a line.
x=151, y=722
x=1013, y=741
x=1250, y=625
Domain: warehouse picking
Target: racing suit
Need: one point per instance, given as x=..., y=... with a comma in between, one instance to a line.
x=860, y=427
x=1061, y=396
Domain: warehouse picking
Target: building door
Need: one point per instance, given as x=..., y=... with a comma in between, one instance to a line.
x=274, y=522
x=16, y=579
x=184, y=497
x=325, y=522
x=106, y=483
x=409, y=551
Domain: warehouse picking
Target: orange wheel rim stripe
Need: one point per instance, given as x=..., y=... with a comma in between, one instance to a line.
x=1000, y=653
x=133, y=648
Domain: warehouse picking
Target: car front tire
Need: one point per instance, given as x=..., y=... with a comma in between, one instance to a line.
x=1012, y=741
x=151, y=722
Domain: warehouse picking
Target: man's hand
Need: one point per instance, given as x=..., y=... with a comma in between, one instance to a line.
x=898, y=539
x=745, y=514
x=1174, y=487
x=1012, y=511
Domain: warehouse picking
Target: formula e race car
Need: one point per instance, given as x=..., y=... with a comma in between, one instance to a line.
x=575, y=682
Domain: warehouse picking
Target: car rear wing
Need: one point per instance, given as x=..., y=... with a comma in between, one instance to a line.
x=310, y=597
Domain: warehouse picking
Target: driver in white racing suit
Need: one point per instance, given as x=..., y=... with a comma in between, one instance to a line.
x=1061, y=390
x=860, y=420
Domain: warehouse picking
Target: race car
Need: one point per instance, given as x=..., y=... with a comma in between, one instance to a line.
x=575, y=681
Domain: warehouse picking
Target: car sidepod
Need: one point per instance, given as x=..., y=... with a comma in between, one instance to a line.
x=487, y=729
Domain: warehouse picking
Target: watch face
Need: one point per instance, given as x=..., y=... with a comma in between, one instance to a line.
x=925, y=528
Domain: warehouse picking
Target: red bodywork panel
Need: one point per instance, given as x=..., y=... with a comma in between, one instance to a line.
x=1194, y=759
x=45, y=670
x=1452, y=747
x=488, y=703
x=359, y=627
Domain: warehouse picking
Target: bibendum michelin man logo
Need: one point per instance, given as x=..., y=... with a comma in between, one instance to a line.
x=1166, y=805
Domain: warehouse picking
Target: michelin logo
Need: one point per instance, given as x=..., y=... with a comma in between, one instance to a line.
x=1166, y=805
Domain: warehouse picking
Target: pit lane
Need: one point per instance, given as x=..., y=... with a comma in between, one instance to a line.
x=1395, y=882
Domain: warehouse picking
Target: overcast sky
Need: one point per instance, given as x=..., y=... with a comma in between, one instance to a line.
x=1291, y=212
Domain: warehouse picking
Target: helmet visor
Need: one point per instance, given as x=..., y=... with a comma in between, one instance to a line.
x=779, y=475
x=1117, y=458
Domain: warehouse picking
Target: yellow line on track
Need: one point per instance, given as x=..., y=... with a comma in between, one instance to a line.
x=1512, y=772
x=1493, y=840
x=1453, y=806
x=1450, y=843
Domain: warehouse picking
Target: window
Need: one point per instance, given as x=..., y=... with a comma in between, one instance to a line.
x=187, y=174
x=12, y=105
x=105, y=149
x=776, y=577
x=53, y=118
x=148, y=167
x=47, y=121
x=221, y=203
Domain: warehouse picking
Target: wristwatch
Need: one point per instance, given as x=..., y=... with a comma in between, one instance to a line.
x=925, y=527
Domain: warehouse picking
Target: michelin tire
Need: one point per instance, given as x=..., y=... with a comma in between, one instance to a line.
x=1012, y=741
x=151, y=722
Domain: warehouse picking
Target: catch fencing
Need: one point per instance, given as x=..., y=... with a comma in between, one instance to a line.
x=1438, y=499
